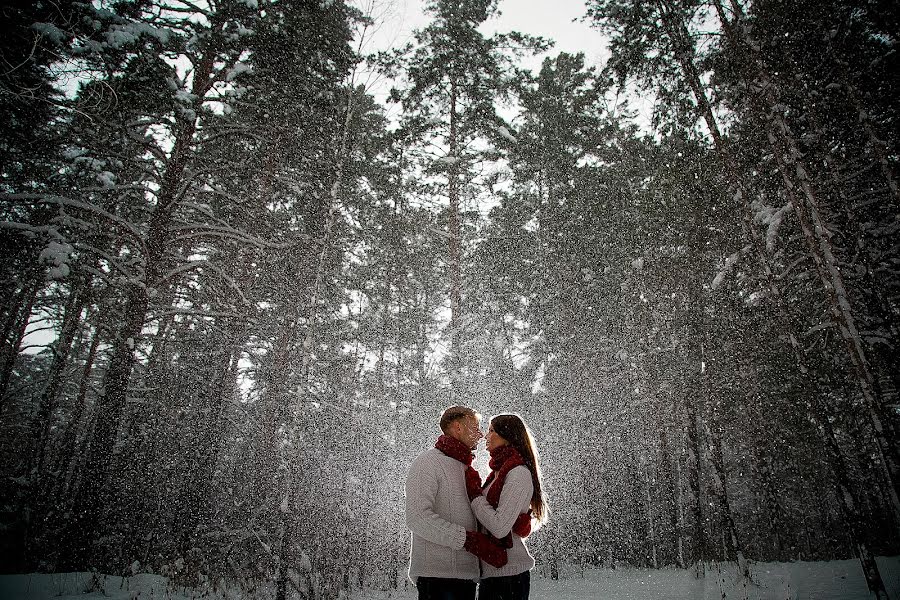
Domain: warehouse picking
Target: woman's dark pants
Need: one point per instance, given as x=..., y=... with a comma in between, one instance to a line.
x=514, y=587
x=439, y=588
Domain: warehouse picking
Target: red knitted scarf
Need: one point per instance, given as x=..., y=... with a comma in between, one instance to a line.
x=454, y=448
x=503, y=460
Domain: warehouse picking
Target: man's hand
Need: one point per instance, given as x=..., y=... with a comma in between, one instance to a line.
x=473, y=483
x=522, y=526
x=478, y=544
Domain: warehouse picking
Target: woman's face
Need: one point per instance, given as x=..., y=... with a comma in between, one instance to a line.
x=493, y=439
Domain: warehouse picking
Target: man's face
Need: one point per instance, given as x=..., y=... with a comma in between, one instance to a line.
x=468, y=431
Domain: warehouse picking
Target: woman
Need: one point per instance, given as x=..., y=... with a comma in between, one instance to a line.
x=510, y=498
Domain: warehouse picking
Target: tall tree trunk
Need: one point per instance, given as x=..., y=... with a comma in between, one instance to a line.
x=42, y=496
x=453, y=229
x=683, y=49
x=292, y=483
x=848, y=502
x=14, y=332
x=651, y=530
x=684, y=53
x=732, y=549
x=42, y=424
x=818, y=240
x=694, y=428
x=70, y=462
x=147, y=432
x=880, y=307
x=672, y=468
x=774, y=510
x=98, y=498
x=422, y=334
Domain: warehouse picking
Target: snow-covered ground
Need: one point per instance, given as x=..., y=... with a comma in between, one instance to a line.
x=834, y=580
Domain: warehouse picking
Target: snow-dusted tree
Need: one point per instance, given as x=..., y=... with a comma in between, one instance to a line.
x=30, y=147
x=455, y=79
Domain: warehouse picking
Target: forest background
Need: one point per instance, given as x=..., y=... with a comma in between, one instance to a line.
x=235, y=295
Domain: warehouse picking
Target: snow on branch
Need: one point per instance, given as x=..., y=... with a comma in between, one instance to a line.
x=203, y=264
x=112, y=261
x=504, y=133
x=201, y=313
x=71, y=202
x=32, y=231
x=194, y=231
x=56, y=255
x=773, y=219
x=730, y=262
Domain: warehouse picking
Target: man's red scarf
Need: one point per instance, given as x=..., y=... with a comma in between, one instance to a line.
x=454, y=448
x=503, y=460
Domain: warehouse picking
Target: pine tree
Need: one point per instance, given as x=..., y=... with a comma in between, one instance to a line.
x=455, y=78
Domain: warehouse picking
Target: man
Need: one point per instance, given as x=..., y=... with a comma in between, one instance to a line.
x=443, y=559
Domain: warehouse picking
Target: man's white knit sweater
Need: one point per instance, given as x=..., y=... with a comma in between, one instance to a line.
x=515, y=498
x=438, y=514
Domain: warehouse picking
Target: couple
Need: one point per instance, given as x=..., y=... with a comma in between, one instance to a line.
x=463, y=532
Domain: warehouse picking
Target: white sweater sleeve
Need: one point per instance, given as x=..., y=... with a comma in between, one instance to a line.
x=421, y=491
x=514, y=500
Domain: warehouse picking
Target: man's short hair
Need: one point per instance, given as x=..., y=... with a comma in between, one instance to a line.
x=454, y=413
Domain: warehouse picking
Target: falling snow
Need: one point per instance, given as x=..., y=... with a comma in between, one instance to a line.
x=251, y=251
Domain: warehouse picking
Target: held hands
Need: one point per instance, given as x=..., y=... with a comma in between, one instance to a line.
x=478, y=544
x=473, y=483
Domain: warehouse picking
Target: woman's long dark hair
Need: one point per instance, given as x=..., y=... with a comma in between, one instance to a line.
x=513, y=429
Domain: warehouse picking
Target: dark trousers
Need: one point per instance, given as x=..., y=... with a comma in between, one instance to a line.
x=514, y=587
x=439, y=588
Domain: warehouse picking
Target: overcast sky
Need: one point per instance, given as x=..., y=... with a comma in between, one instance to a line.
x=554, y=19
